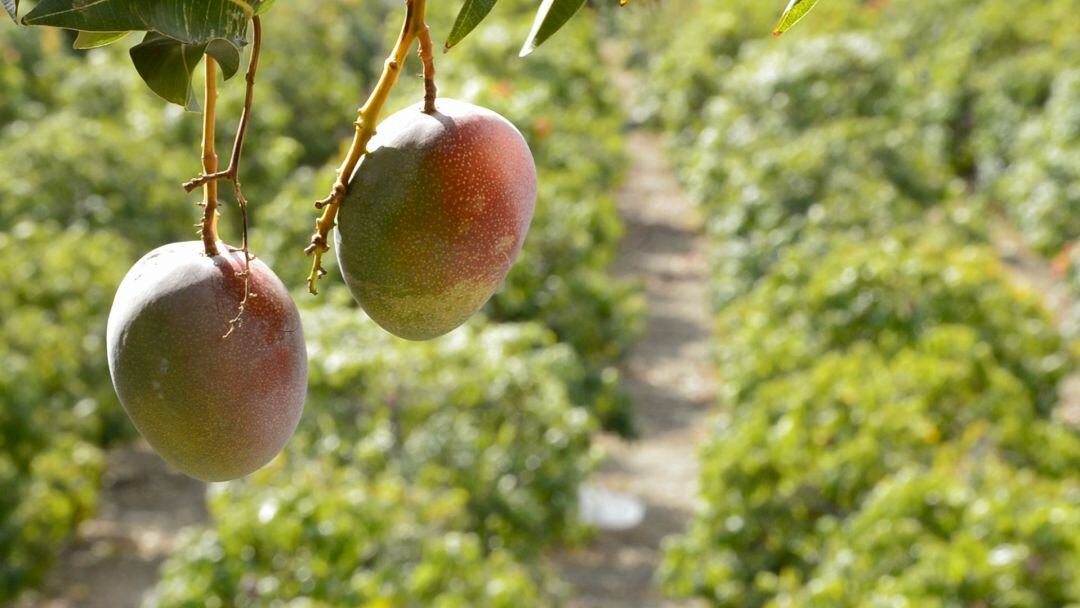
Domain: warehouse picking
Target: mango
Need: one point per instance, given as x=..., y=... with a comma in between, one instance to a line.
x=435, y=215
x=215, y=407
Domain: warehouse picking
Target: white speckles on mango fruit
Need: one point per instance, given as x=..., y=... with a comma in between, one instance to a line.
x=435, y=216
x=216, y=408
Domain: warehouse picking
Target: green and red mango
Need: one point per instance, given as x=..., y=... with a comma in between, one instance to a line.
x=435, y=215
x=215, y=407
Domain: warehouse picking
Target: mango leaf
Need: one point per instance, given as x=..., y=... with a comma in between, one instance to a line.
x=192, y=22
x=179, y=32
x=93, y=40
x=166, y=65
x=795, y=11
x=11, y=6
x=553, y=14
x=470, y=16
x=226, y=55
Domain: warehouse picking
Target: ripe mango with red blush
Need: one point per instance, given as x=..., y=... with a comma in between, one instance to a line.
x=215, y=404
x=436, y=214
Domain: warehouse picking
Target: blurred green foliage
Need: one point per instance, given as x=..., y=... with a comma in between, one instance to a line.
x=801, y=456
x=1044, y=177
x=431, y=474
x=56, y=402
x=888, y=393
x=888, y=292
x=337, y=537
x=456, y=462
x=968, y=529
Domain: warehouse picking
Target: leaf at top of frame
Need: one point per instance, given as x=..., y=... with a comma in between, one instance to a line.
x=192, y=22
x=470, y=15
x=795, y=11
x=552, y=15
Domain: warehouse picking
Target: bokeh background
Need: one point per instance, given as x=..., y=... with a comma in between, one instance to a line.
x=868, y=400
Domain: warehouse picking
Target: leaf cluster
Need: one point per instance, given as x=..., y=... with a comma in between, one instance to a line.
x=176, y=34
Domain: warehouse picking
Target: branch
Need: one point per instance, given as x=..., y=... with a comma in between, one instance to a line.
x=245, y=117
x=413, y=26
x=210, y=162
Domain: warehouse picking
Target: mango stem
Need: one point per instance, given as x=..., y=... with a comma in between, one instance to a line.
x=209, y=161
x=413, y=26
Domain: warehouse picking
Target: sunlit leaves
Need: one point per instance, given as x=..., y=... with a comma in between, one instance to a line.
x=795, y=11
x=471, y=14
x=553, y=14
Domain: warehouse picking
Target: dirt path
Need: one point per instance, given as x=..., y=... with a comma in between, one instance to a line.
x=115, y=558
x=669, y=376
x=1035, y=272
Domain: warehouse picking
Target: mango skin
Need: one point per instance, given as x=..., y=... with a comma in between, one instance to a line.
x=215, y=408
x=435, y=215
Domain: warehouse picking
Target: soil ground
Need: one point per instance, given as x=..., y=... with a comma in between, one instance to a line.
x=115, y=557
x=668, y=374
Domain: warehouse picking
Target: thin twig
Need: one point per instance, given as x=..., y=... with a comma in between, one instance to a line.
x=413, y=26
x=233, y=172
x=238, y=320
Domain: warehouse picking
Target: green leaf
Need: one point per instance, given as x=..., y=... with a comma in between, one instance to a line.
x=795, y=11
x=11, y=6
x=166, y=65
x=470, y=16
x=226, y=55
x=179, y=32
x=553, y=14
x=192, y=22
x=93, y=40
